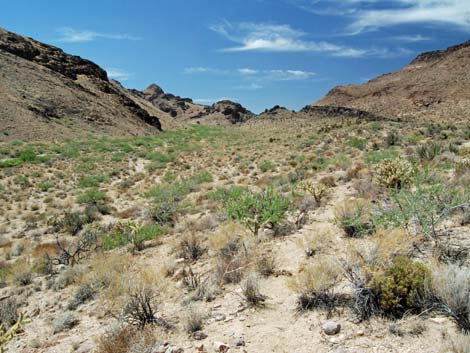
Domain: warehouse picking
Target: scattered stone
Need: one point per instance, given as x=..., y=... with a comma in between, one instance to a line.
x=85, y=348
x=219, y=316
x=199, y=335
x=200, y=348
x=360, y=333
x=221, y=347
x=240, y=342
x=331, y=328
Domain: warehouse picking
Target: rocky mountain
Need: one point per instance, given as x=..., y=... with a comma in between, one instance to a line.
x=185, y=110
x=434, y=86
x=48, y=94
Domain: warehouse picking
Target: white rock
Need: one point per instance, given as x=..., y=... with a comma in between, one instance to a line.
x=331, y=328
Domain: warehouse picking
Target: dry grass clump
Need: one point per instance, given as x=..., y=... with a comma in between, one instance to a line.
x=457, y=344
x=316, y=243
x=194, y=319
x=251, y=291
x=233, y=261
x=354, y=218
x=191, y=246
x=315, y=285
x=450, y=289
x=126, y=339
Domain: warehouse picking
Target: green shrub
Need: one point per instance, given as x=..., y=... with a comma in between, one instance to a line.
x=357, y=142
x=394, y=173
x=427, y=204
x=401, y=286
x=12, y=162
x=92, y=197
x=266, y=166
x=429, y=151
x=256, y=210
x=84, y=293
x=92, y=181
x=126, y=233
x=73, y=222
x=45, y=186
x=27, y=155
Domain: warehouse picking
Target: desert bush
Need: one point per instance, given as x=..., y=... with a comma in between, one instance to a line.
x=64, y=322
x=365, y=300
x=392, y=138
x=130, y=232
x=191, y=247
x=232, y=262
x=429, y=151
x=401, y=286
x=353, y=217
x=256, y=210
x=83, y=294
x=266, y=166
x=315, y=243
x=427, y=205
x=315, y=284
x=73, y=253
x=200, y=286
x=73, y=222
x=265, y=264
x=66, y=277
x=140, y=309
x=194, y=319
x=394, y=173
x=317, y=190
x=9, y=314
x=450, y=291
x=117, y=340
x=251, y=291
x=92, y=197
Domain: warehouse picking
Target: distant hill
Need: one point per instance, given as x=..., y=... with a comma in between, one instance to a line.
x=435, y=87
x=48, y=94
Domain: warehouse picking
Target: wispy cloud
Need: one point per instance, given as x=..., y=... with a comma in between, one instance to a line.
x=366, y=15
x=250, y=87
x=118, y=74
x=411, y=38
x=70, y=35
x=276, y=38
x=254, y=74
x=264, y=37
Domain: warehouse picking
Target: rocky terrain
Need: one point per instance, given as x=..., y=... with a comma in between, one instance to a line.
x=434, y=86
x=332, y=229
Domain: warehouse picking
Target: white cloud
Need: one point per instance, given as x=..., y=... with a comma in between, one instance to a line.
x=118, y=74
x=449, y=12
x=251, y=87
x=411, y=38
x=278, y=38
x=247, y=71
x=288, y=75
x=70, y=35
x=366, y=17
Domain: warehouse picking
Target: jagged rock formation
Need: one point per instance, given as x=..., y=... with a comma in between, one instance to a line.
x=223, y=112
x=48, y=94
x=434, y=86
x=175, y=106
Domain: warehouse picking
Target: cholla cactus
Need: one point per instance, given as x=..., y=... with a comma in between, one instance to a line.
x=394, y=173
x=7, y=335
x=462, y=166
x=317, y=190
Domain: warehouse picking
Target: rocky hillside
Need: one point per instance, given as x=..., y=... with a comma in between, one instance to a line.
x=48, y=94
x=434, y=86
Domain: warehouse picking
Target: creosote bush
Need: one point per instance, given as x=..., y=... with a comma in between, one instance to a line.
x=394, y=173
x=401, y=286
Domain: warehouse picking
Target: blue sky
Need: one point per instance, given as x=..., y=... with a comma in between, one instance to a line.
x=257, y=52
